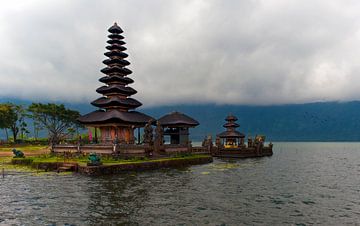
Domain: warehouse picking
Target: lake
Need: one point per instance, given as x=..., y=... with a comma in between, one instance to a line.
x=301, y=184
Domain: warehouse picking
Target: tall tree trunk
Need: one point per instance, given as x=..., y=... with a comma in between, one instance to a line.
x=15, y=131
x=35, y=132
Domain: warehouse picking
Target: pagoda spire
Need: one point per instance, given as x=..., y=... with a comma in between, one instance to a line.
x=116, y=92
x=231, y=124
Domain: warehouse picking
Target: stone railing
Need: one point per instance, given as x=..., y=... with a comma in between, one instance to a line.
x=175, y=148
x=126, y=149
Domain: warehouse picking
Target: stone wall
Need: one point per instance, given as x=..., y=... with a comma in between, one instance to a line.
x=142, y=166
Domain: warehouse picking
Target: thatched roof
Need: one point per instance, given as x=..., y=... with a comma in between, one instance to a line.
x=115, y=116
x=177, y=119
x=231, y=134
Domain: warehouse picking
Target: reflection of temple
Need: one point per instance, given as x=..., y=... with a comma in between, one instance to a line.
x=114, y=120
x=231, y=137
x=176, y=125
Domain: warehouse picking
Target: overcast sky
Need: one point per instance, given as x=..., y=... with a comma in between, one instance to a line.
x=184, y=51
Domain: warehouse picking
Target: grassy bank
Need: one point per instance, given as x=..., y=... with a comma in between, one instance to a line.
x=22, y=147
x=83, y=160
x=109, y=165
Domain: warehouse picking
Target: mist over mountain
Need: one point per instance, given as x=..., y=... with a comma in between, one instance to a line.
x=325, y=121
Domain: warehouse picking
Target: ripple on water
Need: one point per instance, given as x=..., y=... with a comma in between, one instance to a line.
x=308, y=202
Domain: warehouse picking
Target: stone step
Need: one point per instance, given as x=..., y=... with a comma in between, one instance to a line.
x=69, y=164
x=64, y=168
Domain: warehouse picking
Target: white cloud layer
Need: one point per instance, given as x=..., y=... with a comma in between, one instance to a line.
x=189, y=51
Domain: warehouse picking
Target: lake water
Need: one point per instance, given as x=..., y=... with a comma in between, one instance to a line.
x=301, y=184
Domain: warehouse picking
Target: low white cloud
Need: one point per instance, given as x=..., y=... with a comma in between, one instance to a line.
x=191, y=51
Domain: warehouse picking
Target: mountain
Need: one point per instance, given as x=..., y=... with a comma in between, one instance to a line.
x=329, y=121
x=324, y=121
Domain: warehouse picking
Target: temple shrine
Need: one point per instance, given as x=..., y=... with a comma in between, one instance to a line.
x=231, y=137
x=176, y=126
x=115, y=120
x=230, y=143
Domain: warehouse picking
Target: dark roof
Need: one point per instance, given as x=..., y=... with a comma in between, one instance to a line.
x=115, y=29
x=116, y=53
x=116, y=89
x=116, y=47
x=177, y=119
x=231, y=134
x=118, y=61
x=231, y=124
x=115, y=116
x=116, y=101
x=115, y=36
x=114, y=69
x=116, y=78
x=231, y=117
x=117, y=39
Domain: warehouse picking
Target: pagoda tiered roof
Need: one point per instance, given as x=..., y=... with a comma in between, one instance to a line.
x=230, y=126
x=116, y=101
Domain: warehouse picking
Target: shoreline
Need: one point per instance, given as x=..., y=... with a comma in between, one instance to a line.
x=115, y=167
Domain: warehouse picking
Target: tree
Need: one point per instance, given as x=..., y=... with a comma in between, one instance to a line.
x=37, y=128
x=5, y=118
x=20, y=125
x=57, y=119
x=13, y=118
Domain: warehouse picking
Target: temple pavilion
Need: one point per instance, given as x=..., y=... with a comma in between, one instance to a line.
x=231, y=138
x=176, y=126
x=115, y=120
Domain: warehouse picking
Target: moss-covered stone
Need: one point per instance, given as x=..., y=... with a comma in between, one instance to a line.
x=146, y=165
x=111, y=166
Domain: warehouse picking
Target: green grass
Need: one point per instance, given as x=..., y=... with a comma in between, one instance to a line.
x=82, y=160
x=27, y=147
x=5, y=162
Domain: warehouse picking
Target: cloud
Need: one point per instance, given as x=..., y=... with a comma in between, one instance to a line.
x=191, y=51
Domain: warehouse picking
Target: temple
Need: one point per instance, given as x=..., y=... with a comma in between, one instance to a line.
x=230, y=143
x=113, y=125
x=115, y=120
x=231, y=137
x=176, y=126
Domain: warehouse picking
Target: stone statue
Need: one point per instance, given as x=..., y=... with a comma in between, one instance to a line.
x=207, y=141
x=204, y=142
x=218, y=141
x=148, y=133
x=250, y=142
x=94, y=160
x=159, y=136
x=18, y=153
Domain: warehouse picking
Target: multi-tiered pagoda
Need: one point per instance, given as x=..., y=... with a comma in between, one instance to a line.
x=115, y=119
x=232, y=137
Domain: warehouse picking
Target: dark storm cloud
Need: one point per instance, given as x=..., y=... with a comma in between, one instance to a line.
x=252, y=52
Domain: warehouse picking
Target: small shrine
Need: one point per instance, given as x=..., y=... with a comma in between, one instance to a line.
x=176, y=126
x=115, y=120
x=231, y=138
x=230, y=143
